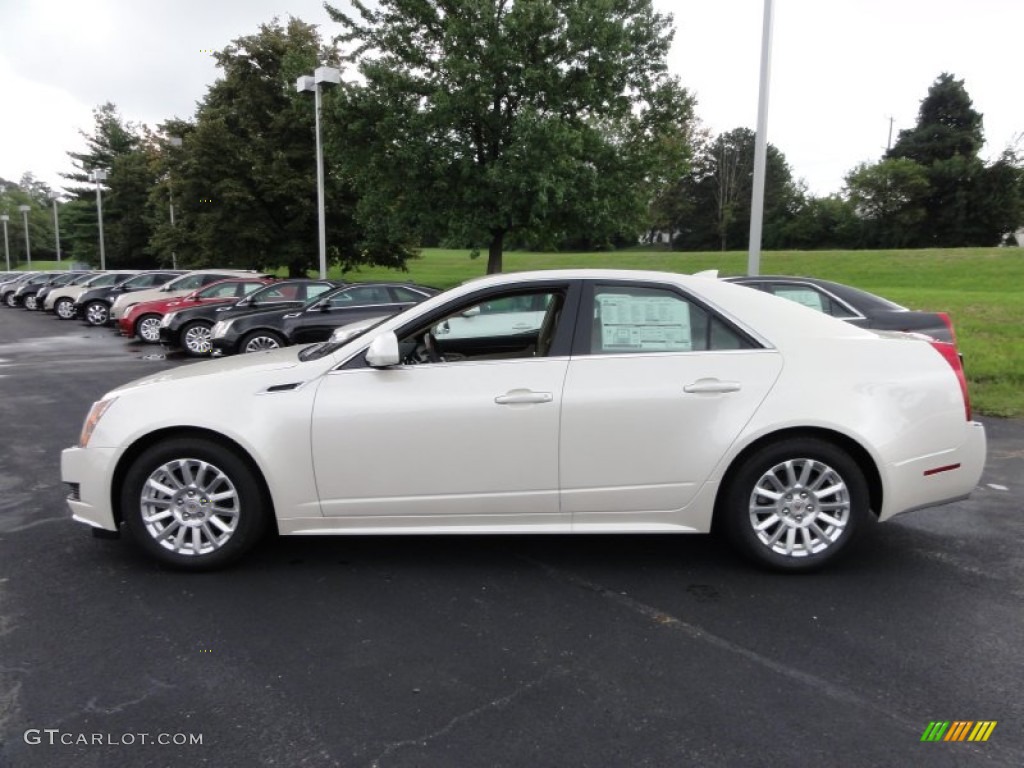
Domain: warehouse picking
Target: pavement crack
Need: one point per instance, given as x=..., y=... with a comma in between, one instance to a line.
x=155, y=686
x=495, y=704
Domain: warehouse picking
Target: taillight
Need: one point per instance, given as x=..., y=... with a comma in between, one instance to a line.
x=948, y=351
x=944, y=316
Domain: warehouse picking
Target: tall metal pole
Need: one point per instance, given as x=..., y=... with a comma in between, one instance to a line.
x=99, y=176
x=56, y=227
x=760, y=146
x=320, y=191
x=28, y=248
x=7, y=247
x=174, y=141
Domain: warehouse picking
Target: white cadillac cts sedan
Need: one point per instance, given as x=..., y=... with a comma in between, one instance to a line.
x=548, y=402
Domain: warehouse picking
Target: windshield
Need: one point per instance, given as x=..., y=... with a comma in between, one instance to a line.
x=101, y=281
x=185, y=283
x=139, y=281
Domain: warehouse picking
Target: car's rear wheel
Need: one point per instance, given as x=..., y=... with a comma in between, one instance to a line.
x=796, y=504
x=258, y=341
x=96, y=313
x=193, y=504
x=195, y=339
x=147, y=329
x=65, y=309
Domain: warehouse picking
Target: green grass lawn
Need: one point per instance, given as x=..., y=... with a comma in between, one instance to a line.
x=981, y=288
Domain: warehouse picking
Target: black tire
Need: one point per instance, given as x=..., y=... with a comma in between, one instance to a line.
x=10, y=301
x=194, y=338
x=148, y=323
x=241, y=518
x=812, y=508
x=260, y=341
x=96, y=313
x=64, y=308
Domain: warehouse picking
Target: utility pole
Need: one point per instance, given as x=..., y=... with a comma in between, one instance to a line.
x=888, y=145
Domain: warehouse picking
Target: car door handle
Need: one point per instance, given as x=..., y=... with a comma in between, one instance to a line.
x=520, y=396
x=711, y=386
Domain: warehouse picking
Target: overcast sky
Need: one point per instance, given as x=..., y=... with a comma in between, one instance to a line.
x=840, y=69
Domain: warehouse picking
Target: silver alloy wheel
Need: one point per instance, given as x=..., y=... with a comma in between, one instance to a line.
x=148, y=329
x=30, y=302
x=96, y=313
x=799, y=508
x=11, y=301
x=65, y=309
x=260, y=343
x=196, y=339
x=190, y=507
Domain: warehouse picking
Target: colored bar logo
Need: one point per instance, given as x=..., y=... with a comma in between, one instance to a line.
x=959, y=730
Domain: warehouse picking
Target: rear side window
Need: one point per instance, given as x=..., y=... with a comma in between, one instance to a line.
x=646, y=319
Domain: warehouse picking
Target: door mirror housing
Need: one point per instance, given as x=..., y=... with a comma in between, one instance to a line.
x=383, y=351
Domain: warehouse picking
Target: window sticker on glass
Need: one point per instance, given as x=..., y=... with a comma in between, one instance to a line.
x=644, y=323
x=803, y=296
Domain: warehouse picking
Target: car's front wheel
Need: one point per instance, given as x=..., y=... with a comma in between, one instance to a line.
x=193, y=504
x=195, y=339
x=147, y=329
x=31, y=304
x=10, y=301
x=796, y=504
x=258, y=341
x=65, y=309
x=96, y=313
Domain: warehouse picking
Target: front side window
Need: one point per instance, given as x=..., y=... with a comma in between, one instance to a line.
x=503, y=327
x=629, y=319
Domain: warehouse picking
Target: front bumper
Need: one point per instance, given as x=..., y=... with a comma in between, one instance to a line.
x=91, y=470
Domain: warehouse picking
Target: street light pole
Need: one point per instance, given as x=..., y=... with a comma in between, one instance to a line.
x=28, y=248
x=7, y=247
x=56, y=224
x=322, y=76
x=174, y=141
x=760, y=145
x=99, y=175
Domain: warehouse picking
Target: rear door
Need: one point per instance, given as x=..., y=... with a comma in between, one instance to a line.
x=658, y=389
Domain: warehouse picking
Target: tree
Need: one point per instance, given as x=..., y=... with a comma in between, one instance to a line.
x=889, y=197
x=966, y=203
x=490, y=121
x=125, y=151
x=35, y=194
x=720, y=190
x=244, y=179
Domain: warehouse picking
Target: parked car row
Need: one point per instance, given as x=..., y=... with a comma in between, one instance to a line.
x=209, y=311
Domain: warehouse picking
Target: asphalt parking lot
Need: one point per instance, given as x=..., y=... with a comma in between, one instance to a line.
x=486, y=651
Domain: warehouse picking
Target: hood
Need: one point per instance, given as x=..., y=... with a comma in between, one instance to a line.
x=241, y=366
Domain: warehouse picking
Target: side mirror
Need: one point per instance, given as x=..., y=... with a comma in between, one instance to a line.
x=383, y=351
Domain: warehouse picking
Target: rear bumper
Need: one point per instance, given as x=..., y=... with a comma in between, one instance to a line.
x=936, y=478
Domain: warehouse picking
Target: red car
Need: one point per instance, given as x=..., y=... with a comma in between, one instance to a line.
x=143, y=319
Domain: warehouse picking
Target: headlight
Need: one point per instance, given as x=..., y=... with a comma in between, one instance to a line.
x=127, y=308
x=166, y=322
x=95, y=414
x=220, y=328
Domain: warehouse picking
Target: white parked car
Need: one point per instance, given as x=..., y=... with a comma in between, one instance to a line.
x=641, y=402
